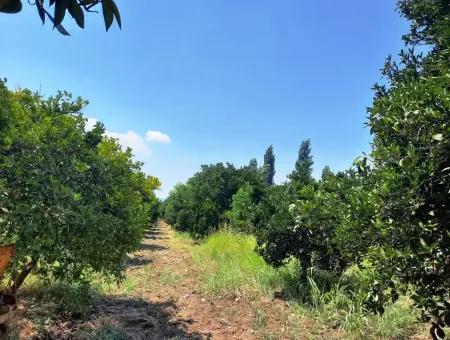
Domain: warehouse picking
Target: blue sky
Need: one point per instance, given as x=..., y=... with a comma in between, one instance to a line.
x=222, y=79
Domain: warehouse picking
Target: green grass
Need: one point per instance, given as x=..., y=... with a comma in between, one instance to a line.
x=168, y=278
x=230, y=265
x=128, y=285
x=109, y=332
x=341, y=308
x=74, y=301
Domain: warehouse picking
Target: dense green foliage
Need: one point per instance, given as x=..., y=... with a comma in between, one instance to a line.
x=241, y=214
x=253, y=164
x=199, y=206
x=410, y=122
x=388, y=215
x=72, y=201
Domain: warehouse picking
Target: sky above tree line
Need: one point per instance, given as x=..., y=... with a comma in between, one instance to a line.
x=186, y=83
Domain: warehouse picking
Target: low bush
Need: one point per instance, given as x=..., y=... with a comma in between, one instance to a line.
x=71, y=300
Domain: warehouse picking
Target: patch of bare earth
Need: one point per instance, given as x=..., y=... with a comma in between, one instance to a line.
x=165, y=275
x=163, y=298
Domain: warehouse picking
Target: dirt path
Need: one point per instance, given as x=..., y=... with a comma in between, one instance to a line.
x=165, y=299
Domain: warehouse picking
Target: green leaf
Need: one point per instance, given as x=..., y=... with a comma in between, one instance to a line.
x=60, y=11
x=116, y=13
x=40, y=10
x=438, y=136
x=59, y=27
x=76, y=12
x=108, y=14
x=423, y=243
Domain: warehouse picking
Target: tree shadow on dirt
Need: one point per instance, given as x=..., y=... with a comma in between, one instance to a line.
x=141, y=319
x=154, y=234
x=152, y=247
x=110, y=317
x=138, y=261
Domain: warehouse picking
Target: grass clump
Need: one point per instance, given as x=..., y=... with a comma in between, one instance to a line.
x=50, y=304
x=109, y=332
x=230, y=265
x=341, y=306
x=168, y=278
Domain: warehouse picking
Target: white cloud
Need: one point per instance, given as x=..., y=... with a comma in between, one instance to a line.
x=90, y=123
x=157, y=136
x=133, y=140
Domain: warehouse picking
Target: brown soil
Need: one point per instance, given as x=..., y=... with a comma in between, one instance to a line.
x=163, y=298
x=171, y=303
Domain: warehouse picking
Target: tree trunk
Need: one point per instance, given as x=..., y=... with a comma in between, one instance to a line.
x=19, y=279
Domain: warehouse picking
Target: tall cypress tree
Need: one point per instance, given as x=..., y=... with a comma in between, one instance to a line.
x=302, y=173
x=253, y=164
x=269, y=165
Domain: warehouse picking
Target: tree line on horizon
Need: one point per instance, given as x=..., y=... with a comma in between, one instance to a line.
x=212, y=196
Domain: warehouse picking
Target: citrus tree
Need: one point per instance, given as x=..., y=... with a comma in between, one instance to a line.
x=199, y=206
x=410, y=122
x=72, y=202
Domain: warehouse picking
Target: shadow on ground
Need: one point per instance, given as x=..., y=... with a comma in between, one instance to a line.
x=154, y=234
x=111, y=317
x=138, y=261
x=152, y=247
x=141, y=319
